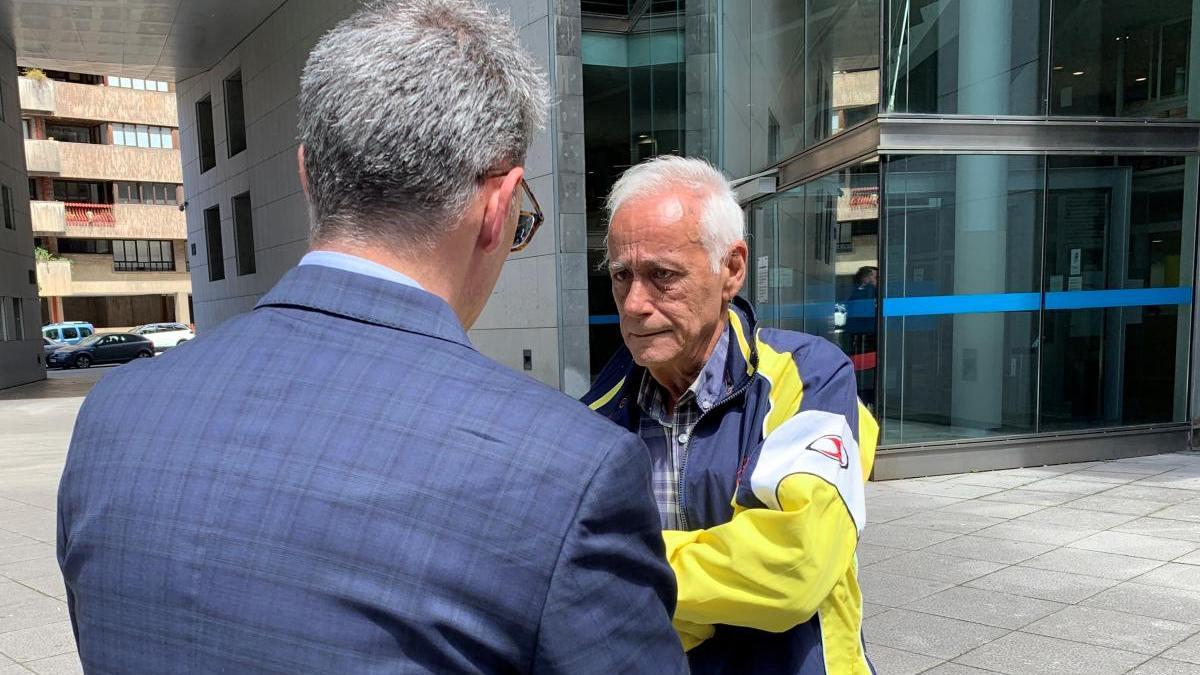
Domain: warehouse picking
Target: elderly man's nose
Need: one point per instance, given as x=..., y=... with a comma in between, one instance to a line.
x=637, y=299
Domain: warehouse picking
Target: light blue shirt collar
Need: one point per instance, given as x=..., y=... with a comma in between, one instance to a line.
x=357, y=265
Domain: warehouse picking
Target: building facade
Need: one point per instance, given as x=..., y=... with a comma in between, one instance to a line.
x=20, y=343
x=105, y=189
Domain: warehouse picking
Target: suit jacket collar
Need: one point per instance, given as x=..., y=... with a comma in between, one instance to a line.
x=362, y=298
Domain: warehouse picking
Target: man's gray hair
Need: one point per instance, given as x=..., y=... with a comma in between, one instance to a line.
x=404, y=107
x=721, y=220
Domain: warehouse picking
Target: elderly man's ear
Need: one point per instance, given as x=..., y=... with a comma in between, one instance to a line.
x=735, y=265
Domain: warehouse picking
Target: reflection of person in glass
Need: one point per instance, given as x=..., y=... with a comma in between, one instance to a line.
x=860, y=310
x=758, y=442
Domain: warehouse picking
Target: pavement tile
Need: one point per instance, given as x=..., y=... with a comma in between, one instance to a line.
x=1179, y=479
x=1093, y=563
x=956, y=669
x=1126, y=505
x=38, y=643
x=1027, y=654
x=51, y=584
x=870, y=609
x=37, y=611
x=1031, y=582
x=13, y=593
x=1023, y=496
x=926, y=634
x=66, y=664
x=1189, y=511
x=899, y=536
x=1152, y=493
x=1068, y=516
x=935, y=567
x=898, y=662
x=1108, y=628
x=22, y=552
x=895, y=591
x=993, y=479
x=1192, y=558
x=1137, y=545
x=1099, y=475
x=1038, y=533
x=28, y=569
x=990, y=608
x=869, y=554
x=1161, y=666
x=992, y=550
x=947, y=489
x=1064, y=484
x=1122, y=466
x=13, y=669
x=949, y=521
x=1159, y=602
x=1188, y=651
x=1161, y=527
x=34, y=522
x=979, y=507
x=1172, y=575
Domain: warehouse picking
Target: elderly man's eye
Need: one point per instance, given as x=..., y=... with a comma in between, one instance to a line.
x=663, y=275
x=620, y=275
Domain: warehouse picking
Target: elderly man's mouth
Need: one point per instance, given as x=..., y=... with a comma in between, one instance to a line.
x=650, y=334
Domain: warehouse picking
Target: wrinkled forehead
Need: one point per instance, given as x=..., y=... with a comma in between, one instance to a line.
x=659, y=226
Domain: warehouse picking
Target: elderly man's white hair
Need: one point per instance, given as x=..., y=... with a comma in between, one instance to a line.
x=721, y=221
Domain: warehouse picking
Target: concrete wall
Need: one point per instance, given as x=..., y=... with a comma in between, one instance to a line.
x=87, y=274
x=20, y=360
x=540, y=303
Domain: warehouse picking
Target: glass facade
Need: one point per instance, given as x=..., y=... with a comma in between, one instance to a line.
x=1032, y=291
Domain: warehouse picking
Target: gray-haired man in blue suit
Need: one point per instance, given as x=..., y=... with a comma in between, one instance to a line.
x=337, y=482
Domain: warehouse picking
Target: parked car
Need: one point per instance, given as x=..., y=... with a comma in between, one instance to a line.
x=165, y=335
x=50, y=346
x=70, y=332
x=102, y=348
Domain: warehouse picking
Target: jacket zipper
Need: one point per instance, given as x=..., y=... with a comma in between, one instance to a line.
x=687, y=448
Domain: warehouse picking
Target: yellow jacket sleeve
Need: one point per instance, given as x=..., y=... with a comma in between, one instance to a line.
x=764, y=569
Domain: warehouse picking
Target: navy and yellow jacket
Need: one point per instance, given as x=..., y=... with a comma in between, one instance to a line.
x=772, y=496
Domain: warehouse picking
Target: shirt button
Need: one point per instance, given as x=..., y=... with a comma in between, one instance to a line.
x=683, y=439
x=705, y=404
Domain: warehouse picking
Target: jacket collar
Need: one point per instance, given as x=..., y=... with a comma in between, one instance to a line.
x=367, y=299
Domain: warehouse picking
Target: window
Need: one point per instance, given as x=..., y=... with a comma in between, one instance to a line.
x=92, y=246
x=73, y=133
x=204, y=131
x=235, y=114
x=143, y=136
x=70, y=333
x=140, y=85
x=3, y=322
x=243, y=234
x=27, y=128
x=143, y=255
x=79, y=191
x=33, y=192
x=18, y=322
x=10, y=219
x=212, y=239
x=147, y=193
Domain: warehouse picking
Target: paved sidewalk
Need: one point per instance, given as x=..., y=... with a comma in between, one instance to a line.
x=1084, y=568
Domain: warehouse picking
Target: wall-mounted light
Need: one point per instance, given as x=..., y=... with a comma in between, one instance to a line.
x=1078, y=72
x=1058, y=67
x=1140, y=79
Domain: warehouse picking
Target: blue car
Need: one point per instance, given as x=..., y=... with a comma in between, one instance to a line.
x=70, y=332
x=102, y=348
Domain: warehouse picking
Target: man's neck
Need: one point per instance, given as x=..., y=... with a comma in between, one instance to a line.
x=427, y=269
x=675, y=381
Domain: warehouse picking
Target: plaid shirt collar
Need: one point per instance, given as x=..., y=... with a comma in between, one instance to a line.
x=709, y=387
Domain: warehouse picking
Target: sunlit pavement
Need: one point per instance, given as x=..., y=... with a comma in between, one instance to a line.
x=1081, y=568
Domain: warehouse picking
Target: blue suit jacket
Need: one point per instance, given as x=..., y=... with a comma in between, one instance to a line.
x=337, y=482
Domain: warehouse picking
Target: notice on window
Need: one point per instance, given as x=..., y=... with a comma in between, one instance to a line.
x=1075, y=284
x=1056, y=283
x=1076, y=260
x=762, y=278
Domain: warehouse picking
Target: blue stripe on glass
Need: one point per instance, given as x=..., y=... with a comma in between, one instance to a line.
x=1127, y=297
x=604, y=319
x=962, y=304
x=1028, y=302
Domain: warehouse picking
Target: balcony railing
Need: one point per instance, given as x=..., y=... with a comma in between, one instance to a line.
x=80, y=213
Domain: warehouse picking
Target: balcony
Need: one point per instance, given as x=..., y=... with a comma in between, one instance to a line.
x=69, y=100
x=108, y=221
x=86, y=161
x=86, y=274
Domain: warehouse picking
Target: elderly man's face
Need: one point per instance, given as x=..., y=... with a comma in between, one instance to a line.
x=670, y=301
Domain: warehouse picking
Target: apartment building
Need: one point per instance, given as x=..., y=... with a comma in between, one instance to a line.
x=105, y=189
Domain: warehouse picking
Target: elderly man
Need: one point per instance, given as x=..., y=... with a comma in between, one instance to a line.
x=759, y=444
x=370, y=496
